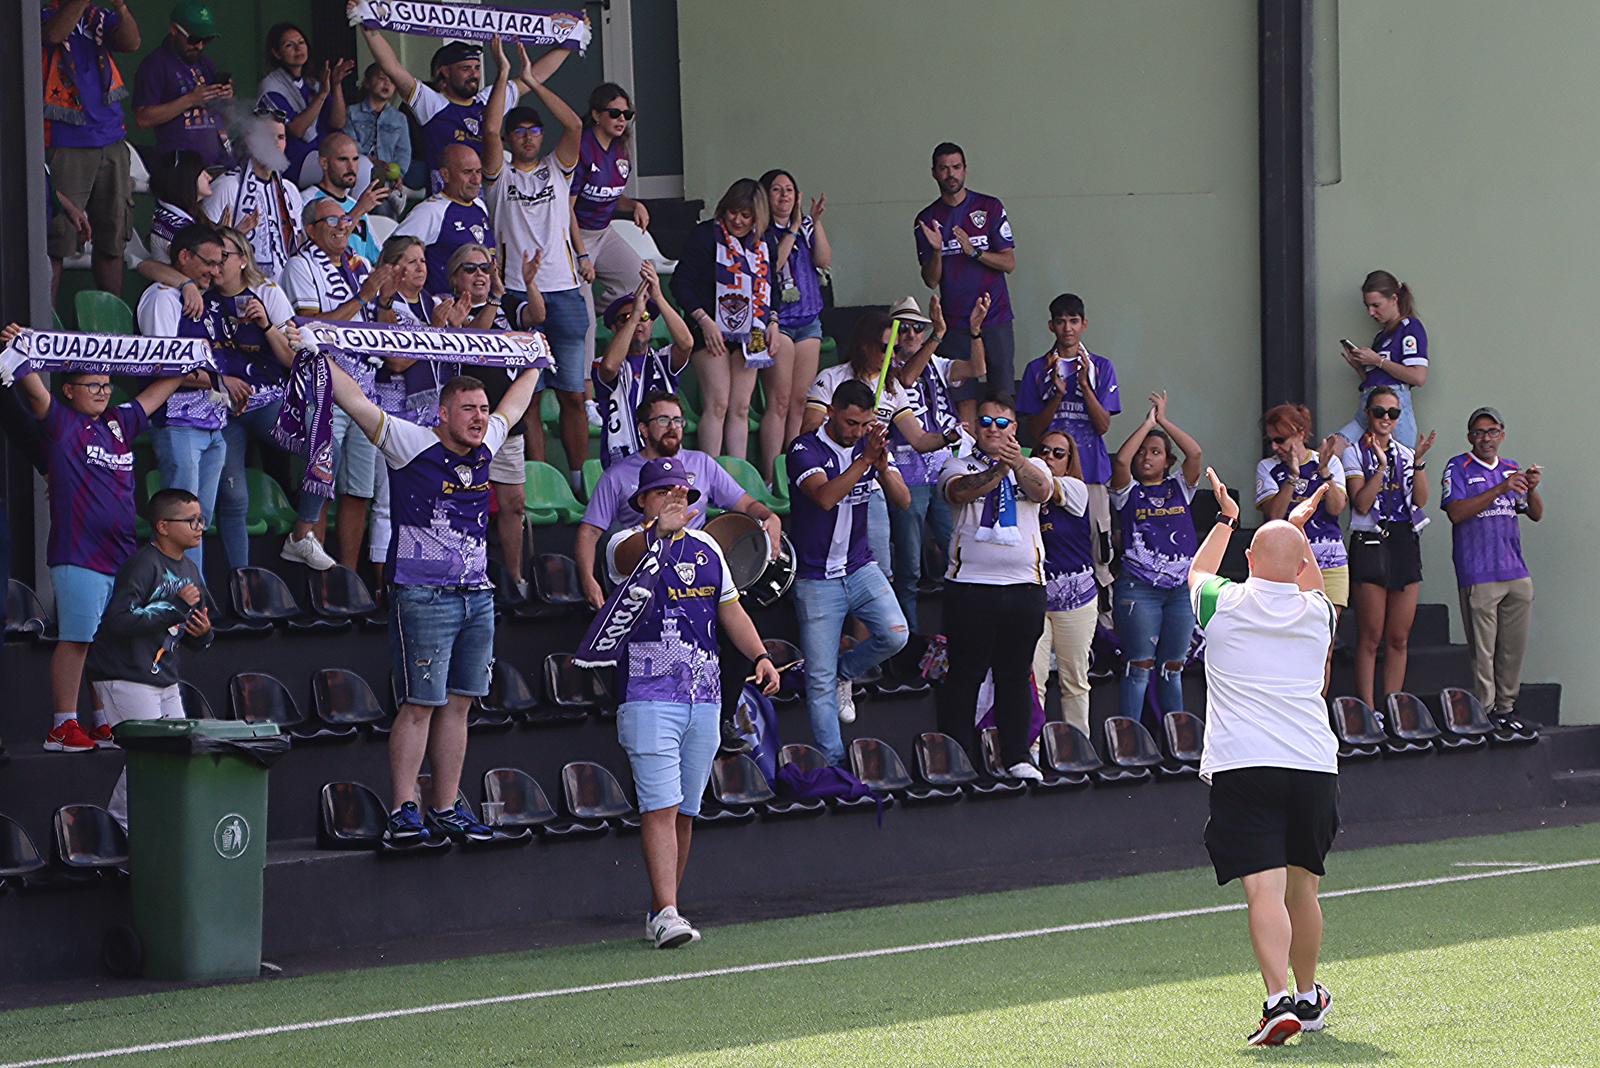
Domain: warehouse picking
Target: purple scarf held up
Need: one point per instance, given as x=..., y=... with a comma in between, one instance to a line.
x=305, y=421
x=606, y=642
x=475, y=22
x=45, y=351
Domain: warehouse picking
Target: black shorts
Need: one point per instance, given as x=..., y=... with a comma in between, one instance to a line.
x=1265, y=818
x=1391, y=558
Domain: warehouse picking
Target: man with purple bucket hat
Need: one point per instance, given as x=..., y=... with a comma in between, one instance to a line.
x=631, y=368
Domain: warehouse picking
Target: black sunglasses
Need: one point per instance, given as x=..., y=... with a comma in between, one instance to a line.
x=987, y=421
x=618, y=113
x=1057, y=453
x=1385, y=413
x=474, y=268
x=1277, y=440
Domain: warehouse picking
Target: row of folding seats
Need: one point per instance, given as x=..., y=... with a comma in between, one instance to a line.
x=87, y=844
x=1411, y=728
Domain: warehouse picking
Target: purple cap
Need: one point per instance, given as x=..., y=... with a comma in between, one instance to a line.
x=619, y=307
x=663, y=473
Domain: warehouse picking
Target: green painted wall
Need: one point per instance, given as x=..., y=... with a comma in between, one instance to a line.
x=1121, y=136
x=1462, y=157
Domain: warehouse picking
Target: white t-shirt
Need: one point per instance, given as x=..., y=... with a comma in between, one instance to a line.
x=1266, y=645
x=532, y=210
x=993, y=563
x=274, y=238
x=896, y=398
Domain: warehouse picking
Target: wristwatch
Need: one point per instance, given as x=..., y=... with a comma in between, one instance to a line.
x=976, y=335
x=1229, y=521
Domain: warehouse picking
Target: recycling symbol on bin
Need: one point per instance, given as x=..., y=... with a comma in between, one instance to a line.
x=232, y=836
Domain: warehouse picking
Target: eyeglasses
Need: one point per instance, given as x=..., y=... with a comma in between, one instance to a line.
x=1056, y=453
x=1385, y=413
x=338, y=220
x=98, y=389
x=1486, y=432
x=267, y=111
x=527, y=131
x=669, y=420
x=618, y=113
x=999, y=422
x=195, y=522
x=474, y=268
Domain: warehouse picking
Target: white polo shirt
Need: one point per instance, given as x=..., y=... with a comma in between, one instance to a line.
x=1266, y=645
x=993, y=563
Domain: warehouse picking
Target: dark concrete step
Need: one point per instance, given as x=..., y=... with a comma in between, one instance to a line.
x=1573, y=747
x=1579, y=786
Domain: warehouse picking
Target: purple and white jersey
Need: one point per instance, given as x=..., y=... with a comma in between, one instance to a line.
x=414, y=393
x=1039, y=388
x=672, y=650
x=931, y=404
x=797, y=277
x=445, y=123
x=1068, y=547
x=1488, y=546
x=1158, y=538
x=275, y=203
x=160, y=314
x=1322, y=529
x=828, y=544
x=444, y=225
x=315, y=284
x=1394, y=499
x=964, y=279
x=1406, y=344
x=91, y=485
x=895, y=400
x=600, y=180
x=619, y=399
x=610, y=505
x=242, y=351
x=165, y=222
x=439, y=505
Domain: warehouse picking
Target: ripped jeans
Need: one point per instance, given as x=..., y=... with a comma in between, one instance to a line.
x=1155, y=626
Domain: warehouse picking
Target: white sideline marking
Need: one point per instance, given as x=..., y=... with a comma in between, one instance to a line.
x=1495, y=864
x=745, y=969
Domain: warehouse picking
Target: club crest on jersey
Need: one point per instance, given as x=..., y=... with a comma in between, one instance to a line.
x=464, y=473
x=478, y=232
x=472, y=126
x=623, y=166
x=1301, y=486
x=686, y=571
x=116, y=430
x=980, y=219
x=735, y=310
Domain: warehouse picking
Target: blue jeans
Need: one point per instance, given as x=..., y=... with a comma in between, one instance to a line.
x=878, y=533
x=442, y=643
x=233, y=493
x=670, y=748
x=1405, y=428
x=1153, y=625
x=905, y=526
x=823, y=605
x=191, y=459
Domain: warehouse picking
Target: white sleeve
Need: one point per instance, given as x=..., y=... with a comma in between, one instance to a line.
x=221, y=198
x=277, y=303
x=1351, y=462
x=497, y=433
x=1119, y=497
x=300, y=286
x=821, y=391
x=513, y=94
x=423, y=222
x=402, y=441
x=1187, y=490
x=1072, y=494
x=953, y=470
x=1266, y=485
x=426, y=102
x=1335, y=470
x=159, y=312
x=728, y=591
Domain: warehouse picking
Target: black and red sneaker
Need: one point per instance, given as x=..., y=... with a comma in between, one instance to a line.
x=1314, y=1014
x=1279, y=1023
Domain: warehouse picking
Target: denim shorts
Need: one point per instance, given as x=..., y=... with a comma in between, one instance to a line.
x=358, y=459
x=443, y=643
x=809, y=330
x=670, y=747
x=566, y=326
x=81, y=599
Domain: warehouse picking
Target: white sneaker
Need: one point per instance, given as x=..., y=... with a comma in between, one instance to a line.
x=593, y=411
x=308, y=550
x=846, y=697
x=669, y=930
x=1025, y=770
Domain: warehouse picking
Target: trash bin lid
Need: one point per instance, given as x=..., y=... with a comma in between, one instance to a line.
x=171, y=729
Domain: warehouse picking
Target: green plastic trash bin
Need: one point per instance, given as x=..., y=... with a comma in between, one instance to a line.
x=197, y=842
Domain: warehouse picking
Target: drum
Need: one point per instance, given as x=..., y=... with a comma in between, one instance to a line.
x=743, y=541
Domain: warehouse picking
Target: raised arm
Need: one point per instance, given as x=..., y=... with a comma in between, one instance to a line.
x=64, y=21
x=1122, y=462
x=1209, y=556
x=347, y=394
x=126, y=37
x=155, y=395
x=1419, y=477
x=571, y=125
x=494, y=155
x=514, y=405
x=383, y=54
x=912, y=369
x=933, y=265
x=1193, y=457
x=617, y=351
x=539, y=71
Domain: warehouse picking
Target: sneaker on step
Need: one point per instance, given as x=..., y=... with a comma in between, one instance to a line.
x=460, y=824
x=406, y=827
x=846, y=698
x=1279, y=1023
x=592, y=410
x=102, y=737
x=68, y=738
x=308, y=551
x=669, y=930
x=1314, y=1013
x=1025, y=771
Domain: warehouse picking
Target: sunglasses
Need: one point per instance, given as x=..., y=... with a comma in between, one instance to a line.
x=338, y=220
x=1056, y=453
x=1385, y=413
x=618, y=113
x=474, y=268
x=908, y=326
x=1278, y=440
x=999, y=422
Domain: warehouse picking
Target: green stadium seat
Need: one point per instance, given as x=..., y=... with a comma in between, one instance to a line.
x=749, y=479
x=830, y=353
x=269, y=505
x=550, y=498
x=254, y=525
x=100, y=312
x=550, y=414
x=780, y=481
x=592, y=470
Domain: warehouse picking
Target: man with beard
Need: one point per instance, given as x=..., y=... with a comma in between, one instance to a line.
x=442, y=607
x=661, y=418
x=176, y=91
x=341, y=169
x=452, y=217
x=254, y=199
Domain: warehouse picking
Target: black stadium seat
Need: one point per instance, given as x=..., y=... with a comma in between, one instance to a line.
x=1360, y=734
x=555, y=582
x=1185, y=735
x=877, y=765
x=736, y=780
x=942, y=762
x=88, y=841
x=339, y=593
x=256, y=697
x=341, y=698
x=195, y=705
x=593, y=793
x=1464, y=714
x=1068, y=752
x=809, y=758
x=989, y=742
x=26, y=617
x=20, y=860
x=1410, y=721
x=260, y=596
x=527, y=807
x=570, y=686
x=352, y=817
x=1131, y=746
x=793, y=680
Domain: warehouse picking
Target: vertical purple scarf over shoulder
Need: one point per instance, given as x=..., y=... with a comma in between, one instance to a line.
x=606, y=642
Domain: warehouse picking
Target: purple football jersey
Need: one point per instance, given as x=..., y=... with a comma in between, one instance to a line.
x=599, y=182
x=1039, y=388
x=444, y=225
x=672, y=650
x=445, y=122
x=1406, y=344
x=1322, y=529
x=1069, y=580
x=1488, y=546
x=1158, y=538
x=91, y=485
x=439, y=506
x=610, y=504
x=964, y=279
x=165, y=76
x=827, y=544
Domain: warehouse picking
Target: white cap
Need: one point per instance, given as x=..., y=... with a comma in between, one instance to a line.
x=907, y=308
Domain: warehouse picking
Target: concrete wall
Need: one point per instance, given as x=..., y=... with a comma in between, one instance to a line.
x=1458, y=152
x=1122, y=138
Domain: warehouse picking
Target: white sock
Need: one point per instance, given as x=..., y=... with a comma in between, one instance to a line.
x=63, y=717
x=1306, y=995
x=1273, y=999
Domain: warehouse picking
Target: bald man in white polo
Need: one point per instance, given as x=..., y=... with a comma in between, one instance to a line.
x=1270, y=756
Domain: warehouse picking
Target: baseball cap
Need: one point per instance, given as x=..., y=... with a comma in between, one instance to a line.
x=663, y=472
x=907, y=308
x=454, y=52
x=193, y=17
x=1492, y=413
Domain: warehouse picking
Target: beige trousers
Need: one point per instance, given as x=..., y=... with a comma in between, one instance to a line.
x=1070, y=633
x=1496, y=617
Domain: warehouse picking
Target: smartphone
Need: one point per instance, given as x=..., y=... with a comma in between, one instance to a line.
x=1349, y=346
x=223, y=78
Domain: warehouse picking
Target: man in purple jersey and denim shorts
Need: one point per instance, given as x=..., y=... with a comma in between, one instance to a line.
x=1484, y=494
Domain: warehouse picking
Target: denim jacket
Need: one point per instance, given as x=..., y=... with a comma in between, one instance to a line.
x=385, y=132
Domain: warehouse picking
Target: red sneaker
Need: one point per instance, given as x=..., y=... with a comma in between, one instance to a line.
x=102, y=738
x=69, y=738
x=1279, y=1023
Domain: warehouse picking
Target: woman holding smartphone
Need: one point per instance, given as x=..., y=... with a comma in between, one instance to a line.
x=1397, y=357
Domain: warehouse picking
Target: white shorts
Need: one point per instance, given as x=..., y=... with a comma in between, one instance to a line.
x=510, y=466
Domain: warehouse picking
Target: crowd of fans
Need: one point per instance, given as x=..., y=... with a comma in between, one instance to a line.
x=911, y=448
